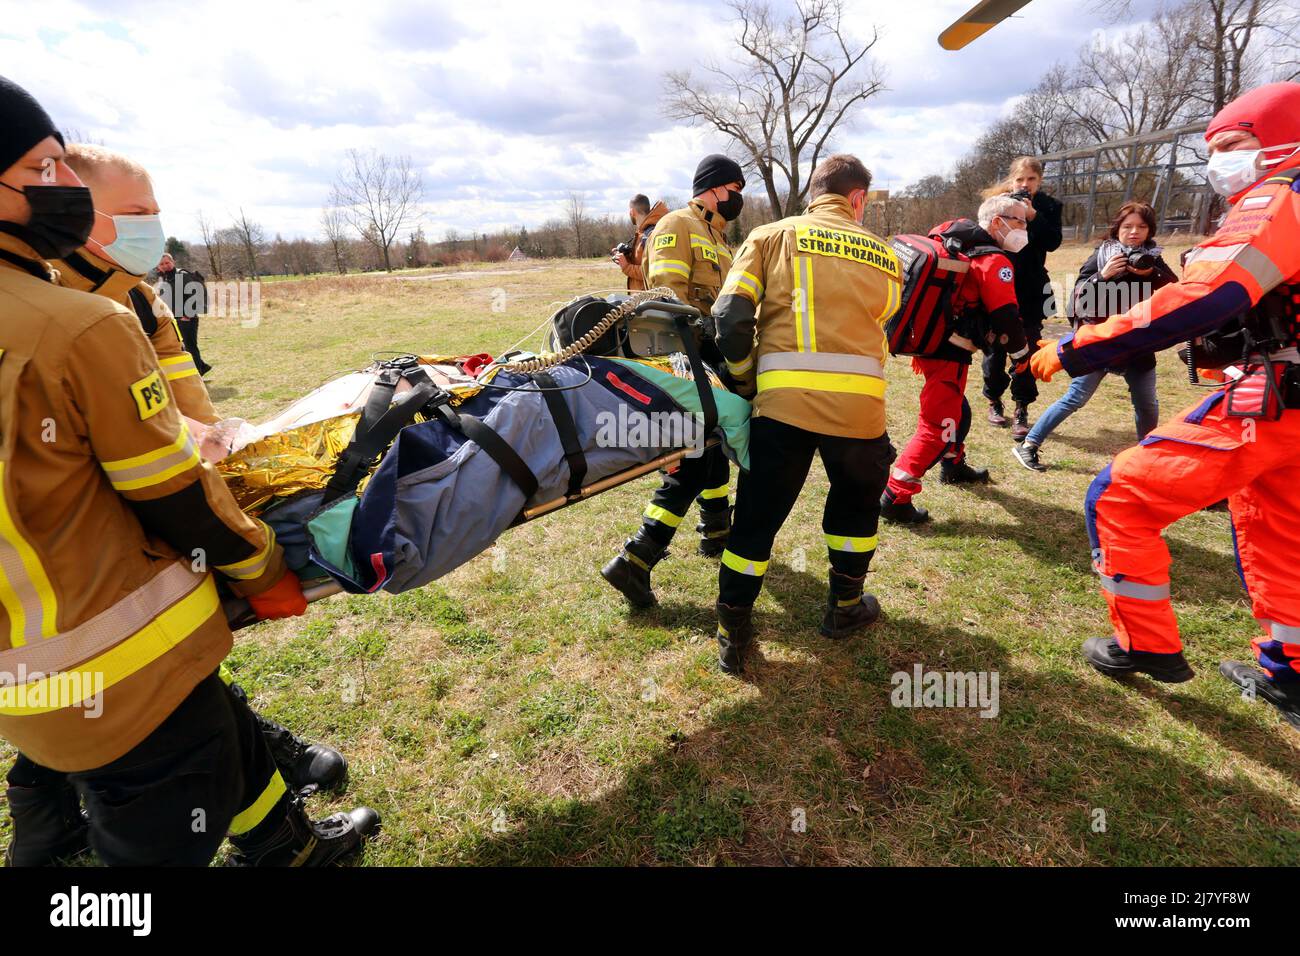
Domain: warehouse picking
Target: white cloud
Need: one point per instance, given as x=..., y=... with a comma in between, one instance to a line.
x=506, y=105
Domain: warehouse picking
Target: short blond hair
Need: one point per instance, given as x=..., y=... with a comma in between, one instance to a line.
x=89, y=161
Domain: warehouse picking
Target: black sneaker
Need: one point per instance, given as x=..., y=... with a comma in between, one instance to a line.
x=1259, y=684
x=1027, y=455
x=905, y=513
x=959, y=473
x=1105, y=654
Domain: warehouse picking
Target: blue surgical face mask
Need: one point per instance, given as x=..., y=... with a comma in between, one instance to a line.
x=139, y=244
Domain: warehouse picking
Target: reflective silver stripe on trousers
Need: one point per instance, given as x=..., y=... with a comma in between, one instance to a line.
x=820, y=362
x=1286, y=633
x=107, y=628
x=1131, y=589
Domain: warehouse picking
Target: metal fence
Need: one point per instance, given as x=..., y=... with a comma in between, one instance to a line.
x=1164, y=167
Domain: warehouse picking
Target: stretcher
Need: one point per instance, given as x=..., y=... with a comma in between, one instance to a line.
x=392, y=477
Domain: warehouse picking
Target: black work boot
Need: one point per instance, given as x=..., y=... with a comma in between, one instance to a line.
x=735, y=633
x=1258, y=683
x=714, y=530
x=629, y=572
x=997, y=417
x=959, y=473
x=300, y=841
x=300, y=763
x=1105, y=654
x=905, y=513
x=847, y=608
x=303, y=764
x=48, y=825
x=1020, y=422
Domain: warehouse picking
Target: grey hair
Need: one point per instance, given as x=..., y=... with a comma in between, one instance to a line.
x=997, y=206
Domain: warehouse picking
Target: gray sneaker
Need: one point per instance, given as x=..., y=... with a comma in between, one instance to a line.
x=1027, y=455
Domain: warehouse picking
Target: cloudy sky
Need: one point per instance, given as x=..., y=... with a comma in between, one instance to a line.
x=505, y=105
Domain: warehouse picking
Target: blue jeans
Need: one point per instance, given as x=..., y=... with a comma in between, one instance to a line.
x=1141, y=388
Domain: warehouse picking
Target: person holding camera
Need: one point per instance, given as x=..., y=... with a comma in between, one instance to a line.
x=1123, y=271
x=1033, y=292
x=630, y=256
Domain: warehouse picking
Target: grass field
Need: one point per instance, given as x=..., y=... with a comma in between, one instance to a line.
x=516, y=712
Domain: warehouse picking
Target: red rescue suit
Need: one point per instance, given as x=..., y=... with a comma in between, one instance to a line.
x=985, y=299
x=1210, y=452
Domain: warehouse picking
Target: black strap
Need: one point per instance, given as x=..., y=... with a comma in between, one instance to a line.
x=482, y=435
x=25, y=264
x=378, y=426
x=565, y=427
x=143, y=311
x=87, y=270
x=707, y=404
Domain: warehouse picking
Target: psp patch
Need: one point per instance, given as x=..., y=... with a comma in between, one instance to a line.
x=1006, y=275
x=666, y=242
x=150, y=395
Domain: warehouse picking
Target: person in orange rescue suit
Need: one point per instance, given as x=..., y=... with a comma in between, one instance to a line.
x=124, y=241
x=1239, y=304
x=644, y=219
x=801, y=321
x=688, y=254
x=985, y=312
x=112, y=534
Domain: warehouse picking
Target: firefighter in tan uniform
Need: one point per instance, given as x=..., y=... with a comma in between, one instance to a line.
x=125, y=242
x=111, y=529
x=801, y=320
x=687, y=253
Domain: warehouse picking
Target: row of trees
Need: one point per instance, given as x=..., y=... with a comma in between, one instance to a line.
x=792, y=82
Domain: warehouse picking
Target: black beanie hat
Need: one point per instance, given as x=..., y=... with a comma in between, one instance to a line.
x=714, y=171
x=23, y=123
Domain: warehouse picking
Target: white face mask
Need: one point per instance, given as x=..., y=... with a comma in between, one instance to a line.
x=1015, y=240
x=139, y=244
x=1231, y=171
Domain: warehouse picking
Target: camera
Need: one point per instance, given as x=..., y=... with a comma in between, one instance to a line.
x=624, y=249
x=1141, y=260
x=1023, y=195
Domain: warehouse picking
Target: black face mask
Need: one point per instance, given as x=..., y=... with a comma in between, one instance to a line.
x=729, y=209
x=62, y=217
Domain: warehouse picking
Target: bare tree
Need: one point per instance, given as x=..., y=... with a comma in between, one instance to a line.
x=378, y=194
x=251, y=237
x=213, y=245
x=335, y=226
x=795, y=81
x=575, y=214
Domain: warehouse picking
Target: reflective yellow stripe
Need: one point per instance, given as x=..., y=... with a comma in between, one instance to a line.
x=178, y=366
x=142, y=648
x=154, y=467
x=805, y=326
x=675, y=266
x=740, y=368
x=655, y=513
x=892, y=301
x=746, y=283
x=720, y=492
x=245, y=820
x=824, y=382
x=838, y=542
x=253, y=567
x=25, y=589
x=755, y=569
